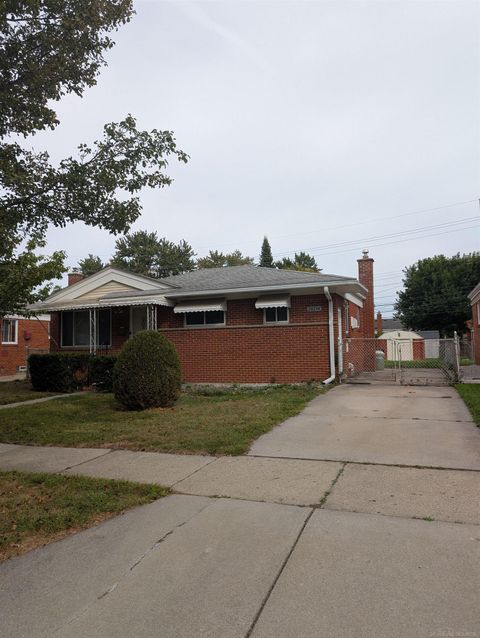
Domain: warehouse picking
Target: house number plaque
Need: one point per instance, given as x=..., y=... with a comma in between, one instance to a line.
x=314, y=308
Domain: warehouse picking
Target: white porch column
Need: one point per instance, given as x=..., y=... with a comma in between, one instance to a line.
x=151, y=317
x=93, y=330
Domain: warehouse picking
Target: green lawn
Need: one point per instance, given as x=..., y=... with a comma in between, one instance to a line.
x=470, y=393
x=40, y=508
x=16, y=391
x=204, y=421
x=417, y=363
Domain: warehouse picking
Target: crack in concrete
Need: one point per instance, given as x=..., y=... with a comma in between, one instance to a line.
x=127, y=573
x=332, y=485
x=279, y=573
x=402, y=418
x=292, y=549
x=350, y=461
x=195, y=471
x=94, y=458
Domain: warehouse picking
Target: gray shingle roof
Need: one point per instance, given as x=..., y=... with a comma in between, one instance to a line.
x=428, y=334
x=232, y=277
x=391, y=324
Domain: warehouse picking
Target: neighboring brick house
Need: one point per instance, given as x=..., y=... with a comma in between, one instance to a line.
x=242, y=324
x=474, y=297
x=19, y=336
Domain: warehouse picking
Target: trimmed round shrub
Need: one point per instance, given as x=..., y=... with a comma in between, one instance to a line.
x=147, y=372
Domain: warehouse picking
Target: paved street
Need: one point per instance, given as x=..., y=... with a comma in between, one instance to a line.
x=344, y=538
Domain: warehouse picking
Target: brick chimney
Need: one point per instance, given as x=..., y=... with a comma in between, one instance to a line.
x=365, y=277
x=74, y=277
x=379, y=323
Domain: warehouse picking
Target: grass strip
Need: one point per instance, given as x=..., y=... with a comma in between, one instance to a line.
x=470, y=393
x=36, y=509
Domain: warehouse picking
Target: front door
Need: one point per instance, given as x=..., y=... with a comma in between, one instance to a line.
x=138, y=319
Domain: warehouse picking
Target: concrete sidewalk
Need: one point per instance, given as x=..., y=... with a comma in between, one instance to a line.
x=439, y=494
x=192, y=566
x=274, y=547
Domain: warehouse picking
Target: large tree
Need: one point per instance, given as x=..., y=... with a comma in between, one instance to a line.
x=216, y=259
x=435, y=293
x=302, y=261
x=49, y=48
x=144, y=253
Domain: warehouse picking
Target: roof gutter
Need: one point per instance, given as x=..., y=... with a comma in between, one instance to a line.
x=331, y=336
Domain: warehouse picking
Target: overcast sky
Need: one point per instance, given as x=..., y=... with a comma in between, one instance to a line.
x=314, y=123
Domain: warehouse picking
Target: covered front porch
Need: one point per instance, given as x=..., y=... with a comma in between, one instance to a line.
x=101, y=329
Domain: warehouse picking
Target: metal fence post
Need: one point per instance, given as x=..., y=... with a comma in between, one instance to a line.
x=457, y=355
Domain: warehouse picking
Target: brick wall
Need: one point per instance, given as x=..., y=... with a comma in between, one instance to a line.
x=365, y=276
x=32, y=334
x=248, y=351
x=476, y=331
x=245, y=350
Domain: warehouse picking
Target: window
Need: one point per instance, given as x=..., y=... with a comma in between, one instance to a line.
x=276, y=315
x=9, y=330
x=205, y=318
x=76, y=328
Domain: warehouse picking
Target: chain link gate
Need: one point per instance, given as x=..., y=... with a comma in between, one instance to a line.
x=413, y=361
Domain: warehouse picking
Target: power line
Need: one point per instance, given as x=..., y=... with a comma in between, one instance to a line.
x=367, y=240
x=368, y=221
x=400, y=241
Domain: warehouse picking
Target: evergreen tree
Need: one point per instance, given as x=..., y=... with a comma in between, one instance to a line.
x=90, y=265
x=266, y=258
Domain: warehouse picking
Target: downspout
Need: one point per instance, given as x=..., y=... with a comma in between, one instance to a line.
x=331, y=336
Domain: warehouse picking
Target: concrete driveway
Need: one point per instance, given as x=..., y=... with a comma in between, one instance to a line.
x=300, y=547
x=395, y=425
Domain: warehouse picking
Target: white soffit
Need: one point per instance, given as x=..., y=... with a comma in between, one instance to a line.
x=353, y=299
x=201, y=306
x=282, y=301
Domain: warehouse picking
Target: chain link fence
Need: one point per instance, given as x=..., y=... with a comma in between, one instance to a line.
x=408, y=361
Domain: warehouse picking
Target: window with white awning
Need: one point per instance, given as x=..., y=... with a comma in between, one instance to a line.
x=216, y=305
x=203, y=313
x=282, y=301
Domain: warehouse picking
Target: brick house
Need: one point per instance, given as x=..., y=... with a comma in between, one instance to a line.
x=19, y=337
x=474, y=297
x=239, y=324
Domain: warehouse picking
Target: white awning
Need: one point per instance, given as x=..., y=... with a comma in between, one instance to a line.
x=354, y=299
x=201, y=306
x=99, y=303
x=273, y=302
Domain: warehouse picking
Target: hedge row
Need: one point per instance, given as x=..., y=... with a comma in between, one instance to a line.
x=66, y=372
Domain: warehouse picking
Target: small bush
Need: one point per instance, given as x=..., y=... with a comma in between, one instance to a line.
x=147, y=372
x=59, y=371
x=101, y=372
